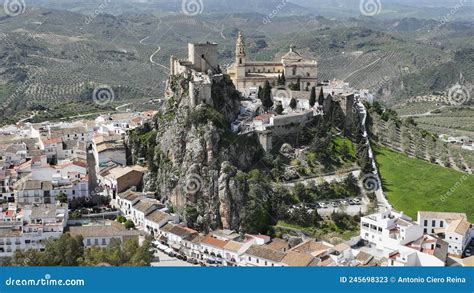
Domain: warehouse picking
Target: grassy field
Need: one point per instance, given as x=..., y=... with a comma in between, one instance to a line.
x=412, y=185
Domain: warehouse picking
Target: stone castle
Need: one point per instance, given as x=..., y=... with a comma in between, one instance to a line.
x=201, y=68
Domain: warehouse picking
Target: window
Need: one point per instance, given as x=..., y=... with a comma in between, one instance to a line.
x=96, y=241
x=258, y=260
x=103, y=241
x=425, y=231
x=441, y=224
x=433, y=223
x=265, y=262
x=88, y=242
x=250, y=258
x=426, y=222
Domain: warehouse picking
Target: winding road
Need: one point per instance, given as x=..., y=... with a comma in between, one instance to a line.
x=155, y=63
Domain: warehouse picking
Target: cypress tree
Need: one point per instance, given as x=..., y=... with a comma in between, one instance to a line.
x=266, y=99
x=321, y=97
x=293, y=104
x=312, y=97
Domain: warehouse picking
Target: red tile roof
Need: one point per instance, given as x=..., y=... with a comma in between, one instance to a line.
x=209, y=240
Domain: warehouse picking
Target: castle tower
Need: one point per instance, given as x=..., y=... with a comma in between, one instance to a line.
x=240, y=50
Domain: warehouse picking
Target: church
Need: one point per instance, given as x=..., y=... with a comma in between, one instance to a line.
x=295, y=67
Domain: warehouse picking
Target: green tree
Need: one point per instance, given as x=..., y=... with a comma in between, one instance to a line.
x=76, y=215
x=279, y=109
x=312, y=97
x=351, y=185
x=129, y=224
x=267, y=101
x=27, y=258
x=64, y=251
x=299, y=192
x=121, y=219
x=293, y=104
x=345, y=151
x=191, y=215
x=321, y=97
x=283, y=79
x=260, y=93
x=61, y=197
x=257, y=218
x=298, y=84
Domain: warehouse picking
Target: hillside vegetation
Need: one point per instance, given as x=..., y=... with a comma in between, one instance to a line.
x=412, y=185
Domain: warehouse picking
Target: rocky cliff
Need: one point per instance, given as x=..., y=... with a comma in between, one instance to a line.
x=195, y=161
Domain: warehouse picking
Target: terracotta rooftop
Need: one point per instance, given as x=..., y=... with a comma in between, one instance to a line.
x=233, y=246
x=157, y=216
x=209, y=240
x=265, y=253
x=297, y=259
x=442, y=215
x=278, y=244
x=460, y=226
x=312, y=247
x=102, y=231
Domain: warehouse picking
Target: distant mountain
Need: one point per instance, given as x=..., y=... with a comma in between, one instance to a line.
x=282, y=7
x=49, y=56
x=434, y=9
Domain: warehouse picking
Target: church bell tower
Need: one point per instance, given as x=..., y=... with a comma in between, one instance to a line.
x=240, y=50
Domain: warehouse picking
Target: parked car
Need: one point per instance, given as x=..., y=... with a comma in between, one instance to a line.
x=181, y=257
x=334, y=204
x=193, y=261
